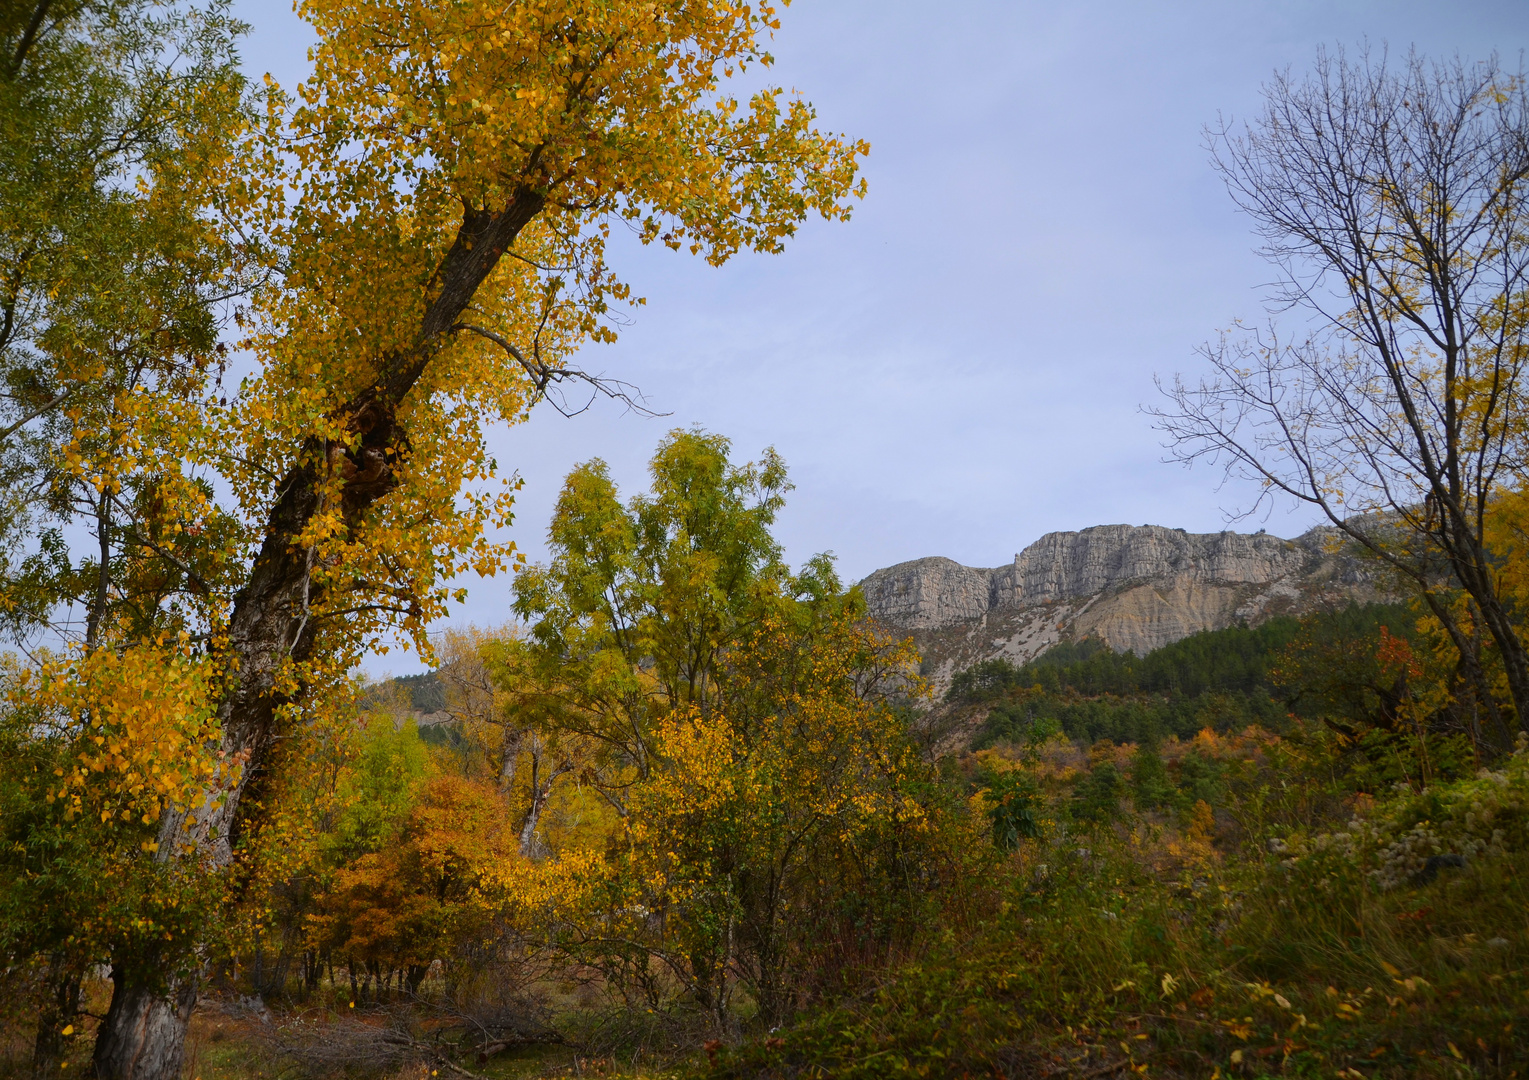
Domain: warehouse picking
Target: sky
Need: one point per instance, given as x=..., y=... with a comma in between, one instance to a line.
x=961, y=367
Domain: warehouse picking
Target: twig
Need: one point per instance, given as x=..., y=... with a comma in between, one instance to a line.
x=544, y=375
x=454, y=1067
x=1102, y=1070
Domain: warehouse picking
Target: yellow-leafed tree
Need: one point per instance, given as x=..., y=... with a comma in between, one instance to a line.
x=423, y=223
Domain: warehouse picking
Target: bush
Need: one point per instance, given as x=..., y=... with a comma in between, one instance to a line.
x=1097, y=798
x=1306, y=961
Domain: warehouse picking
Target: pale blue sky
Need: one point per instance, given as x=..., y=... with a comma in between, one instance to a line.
x=959, y=368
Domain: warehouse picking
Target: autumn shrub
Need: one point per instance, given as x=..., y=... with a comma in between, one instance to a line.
x=1469, y=821
x=97, y=752
x=785, y=843
x=419, y=898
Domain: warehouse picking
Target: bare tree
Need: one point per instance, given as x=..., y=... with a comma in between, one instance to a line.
x=1391, y=201
x=493, y=731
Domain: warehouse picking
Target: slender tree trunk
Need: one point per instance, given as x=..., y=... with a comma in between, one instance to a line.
x=1472, y=567
x=103, y=574
x=60, y=1009
x=541, y=790
x=1515, y=663
x=509, y=755
x=144, y=1032
x=528, y=827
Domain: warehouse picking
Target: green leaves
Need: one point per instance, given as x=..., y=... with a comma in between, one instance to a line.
x=114, y=126
x=1012, y=802
x=660, y=587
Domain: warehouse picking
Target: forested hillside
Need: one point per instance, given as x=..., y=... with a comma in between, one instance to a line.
x=1223, y=680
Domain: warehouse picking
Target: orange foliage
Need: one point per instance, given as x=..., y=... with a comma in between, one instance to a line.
x=421, y=898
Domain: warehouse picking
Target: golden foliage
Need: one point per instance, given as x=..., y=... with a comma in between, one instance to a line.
x=137, y=725
x=421, y=897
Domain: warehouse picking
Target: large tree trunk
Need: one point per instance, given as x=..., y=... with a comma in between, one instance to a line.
x=148, y=1029
x=144, y=1030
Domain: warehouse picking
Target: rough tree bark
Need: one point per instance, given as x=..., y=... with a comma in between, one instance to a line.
x=143, y=1035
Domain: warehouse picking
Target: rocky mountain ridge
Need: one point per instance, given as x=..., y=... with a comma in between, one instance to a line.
x=1136, y=588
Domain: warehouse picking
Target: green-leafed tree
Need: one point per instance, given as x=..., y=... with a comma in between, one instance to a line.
x=115, y=117
x=768, y=810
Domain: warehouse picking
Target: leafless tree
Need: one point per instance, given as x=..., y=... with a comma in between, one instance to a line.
x=473, y=700
x=1391, y=201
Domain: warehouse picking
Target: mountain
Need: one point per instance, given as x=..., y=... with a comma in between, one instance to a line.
x=1135, y=588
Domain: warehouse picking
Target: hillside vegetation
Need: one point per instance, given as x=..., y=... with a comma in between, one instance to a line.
x=1277, y=850
x=1241, y=902
x=1220, y=679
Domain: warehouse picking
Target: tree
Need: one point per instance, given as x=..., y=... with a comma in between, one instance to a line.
x=742, y=723
x=419, y=898
x=115, y=118
x=492, y=736
x=1391, y=199
x=339, y=791
x=430, y=213
x=637, y=609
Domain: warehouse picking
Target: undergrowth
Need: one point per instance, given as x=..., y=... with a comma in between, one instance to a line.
x=1296, y=930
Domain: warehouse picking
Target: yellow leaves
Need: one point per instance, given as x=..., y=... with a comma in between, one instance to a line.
x=139, y=721
x=1239, y=1029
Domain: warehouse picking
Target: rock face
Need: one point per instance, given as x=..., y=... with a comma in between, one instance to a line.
x=1136, y=588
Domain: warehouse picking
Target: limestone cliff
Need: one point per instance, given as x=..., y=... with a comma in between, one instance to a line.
x=1134, y=587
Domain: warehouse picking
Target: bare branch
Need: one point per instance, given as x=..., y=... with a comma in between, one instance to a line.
x=545, y=377
x=1392, y=199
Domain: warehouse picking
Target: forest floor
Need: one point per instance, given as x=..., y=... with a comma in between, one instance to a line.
x=226, y=1041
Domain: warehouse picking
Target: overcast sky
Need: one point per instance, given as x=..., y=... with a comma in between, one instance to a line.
x=960, y=368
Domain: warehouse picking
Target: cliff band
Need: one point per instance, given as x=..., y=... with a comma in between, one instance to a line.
x=1136, y=588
